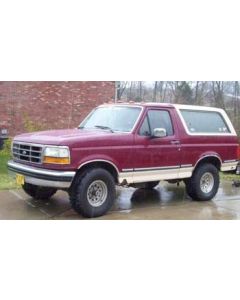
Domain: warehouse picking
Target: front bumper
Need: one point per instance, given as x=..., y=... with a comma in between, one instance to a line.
x=43, y=177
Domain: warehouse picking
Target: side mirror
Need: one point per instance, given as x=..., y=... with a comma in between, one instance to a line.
x=159, y=132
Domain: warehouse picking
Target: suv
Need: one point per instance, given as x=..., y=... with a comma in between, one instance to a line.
x=130, y=145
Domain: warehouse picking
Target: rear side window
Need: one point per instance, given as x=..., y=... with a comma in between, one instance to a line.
x=204, y=121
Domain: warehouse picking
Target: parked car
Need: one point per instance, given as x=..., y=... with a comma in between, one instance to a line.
x=130, y=145
x=3, y=136
x=238, y=169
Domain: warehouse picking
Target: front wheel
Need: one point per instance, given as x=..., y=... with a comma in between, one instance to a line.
x=93, y=193
x=204, y=183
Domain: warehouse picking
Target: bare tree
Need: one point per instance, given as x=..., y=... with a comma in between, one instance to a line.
x=155, y=91
x=121, y=87
x=218, y=93
x=200, y=92
x=236, y=98
x=129, y=95
x=140, y=86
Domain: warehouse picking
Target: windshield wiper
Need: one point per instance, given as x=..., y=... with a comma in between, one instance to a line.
x=104, y=127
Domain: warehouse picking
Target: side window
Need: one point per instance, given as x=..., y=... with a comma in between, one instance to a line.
x=204, y=121
x=160, y=119
x=145, y=130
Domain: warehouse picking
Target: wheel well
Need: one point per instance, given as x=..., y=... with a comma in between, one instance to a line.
x=100, y=164
x=214, y=160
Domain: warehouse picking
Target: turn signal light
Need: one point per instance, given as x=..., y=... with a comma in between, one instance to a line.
x=56, y=160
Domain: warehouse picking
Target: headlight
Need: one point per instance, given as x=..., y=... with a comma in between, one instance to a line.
x=56, y=155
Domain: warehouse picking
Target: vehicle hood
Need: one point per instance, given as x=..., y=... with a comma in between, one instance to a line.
x=62, y=137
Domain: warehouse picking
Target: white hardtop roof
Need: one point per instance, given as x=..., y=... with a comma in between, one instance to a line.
x=162, y=105
x=197, y=107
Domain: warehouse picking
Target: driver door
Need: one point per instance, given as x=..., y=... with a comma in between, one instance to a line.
x=157, y=158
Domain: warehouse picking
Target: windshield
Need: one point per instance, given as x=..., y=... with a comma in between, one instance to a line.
x=113, y=118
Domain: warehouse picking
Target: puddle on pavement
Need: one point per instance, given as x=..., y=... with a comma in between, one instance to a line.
x=168, y=194
x=227, y=190
x=58, y=204
x=166, y=201
x=164, y=194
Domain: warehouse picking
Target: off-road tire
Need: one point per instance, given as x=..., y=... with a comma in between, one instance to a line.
x=193, y=184
x=38, y=192
x=151, y=185
x=79, y=197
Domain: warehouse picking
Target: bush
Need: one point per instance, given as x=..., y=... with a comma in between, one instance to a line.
x=29, y=126
x=32, y=126
x=6, y=148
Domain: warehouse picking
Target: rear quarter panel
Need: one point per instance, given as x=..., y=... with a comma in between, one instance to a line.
x=195, y=147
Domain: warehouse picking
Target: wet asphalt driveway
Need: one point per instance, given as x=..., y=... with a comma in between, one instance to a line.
x=165, y=202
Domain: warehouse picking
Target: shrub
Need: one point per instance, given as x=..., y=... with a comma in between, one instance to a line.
x=6, y=148
x=31, y=126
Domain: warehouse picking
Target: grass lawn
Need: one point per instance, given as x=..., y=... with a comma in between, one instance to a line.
x=6, y=182
x=229, y=176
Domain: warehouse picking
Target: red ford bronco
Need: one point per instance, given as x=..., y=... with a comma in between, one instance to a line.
x=131, y=145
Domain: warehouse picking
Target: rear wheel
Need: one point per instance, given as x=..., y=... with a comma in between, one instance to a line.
x=38, y=192
x=93, y=193
x=204, y=183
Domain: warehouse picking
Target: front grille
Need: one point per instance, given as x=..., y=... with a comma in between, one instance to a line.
x=27, y=152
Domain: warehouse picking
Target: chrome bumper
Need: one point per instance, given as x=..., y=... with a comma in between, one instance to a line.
x=43, y=177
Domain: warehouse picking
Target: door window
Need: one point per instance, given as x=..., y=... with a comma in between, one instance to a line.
x=156, y=119
x=145, y=129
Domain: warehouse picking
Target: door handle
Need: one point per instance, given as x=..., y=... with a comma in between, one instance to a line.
x=175, y=142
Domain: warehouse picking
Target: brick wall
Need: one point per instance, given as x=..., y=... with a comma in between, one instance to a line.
x=51, y=105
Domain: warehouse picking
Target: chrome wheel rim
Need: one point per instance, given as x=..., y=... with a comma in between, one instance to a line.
x=207, y=183
x=97, y=193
